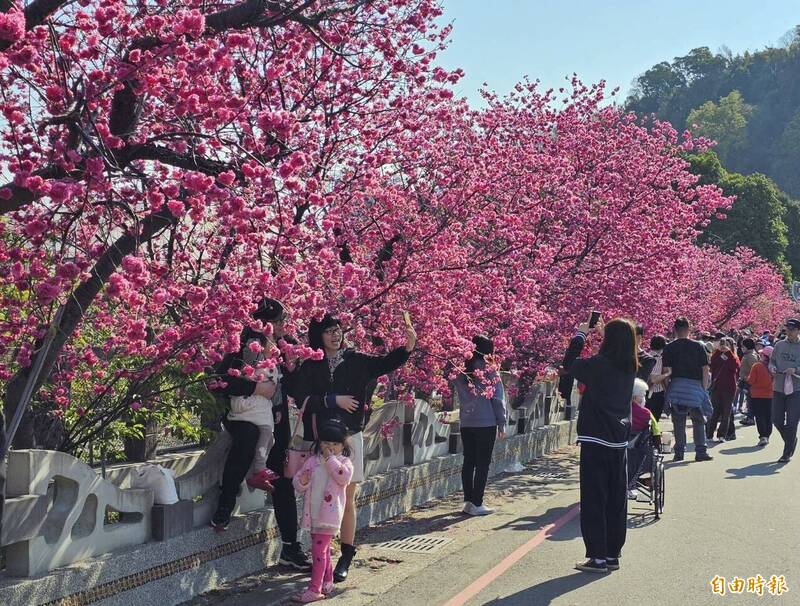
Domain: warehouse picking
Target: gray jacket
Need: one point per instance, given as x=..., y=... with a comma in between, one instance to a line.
x=476, y=409
x=785, y=355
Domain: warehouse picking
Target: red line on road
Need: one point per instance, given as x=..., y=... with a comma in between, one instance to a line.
x=492, y=575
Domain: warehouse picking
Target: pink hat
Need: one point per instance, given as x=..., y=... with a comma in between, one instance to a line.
x=767, y=351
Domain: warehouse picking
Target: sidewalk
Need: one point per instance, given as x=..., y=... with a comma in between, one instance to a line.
x=522, y=501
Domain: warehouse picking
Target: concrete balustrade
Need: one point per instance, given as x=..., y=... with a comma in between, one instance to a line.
x=61, y=513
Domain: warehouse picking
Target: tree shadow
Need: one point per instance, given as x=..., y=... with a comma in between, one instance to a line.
x=544, y=593
x=757, y=469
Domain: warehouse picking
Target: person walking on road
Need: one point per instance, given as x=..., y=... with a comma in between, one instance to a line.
x=687, y=362
x=658, y=378
x=603, y=432
x=724, y=372
x=482, y=419
x=760, y=382
x=748, y=358
x=785, y=366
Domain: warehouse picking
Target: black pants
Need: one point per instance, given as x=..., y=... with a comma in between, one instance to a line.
x=604, y=500
x=244, y=438
x=478, y=445
x=720, y=421
x=655, y=404
x=731, y=435
x=762, y=409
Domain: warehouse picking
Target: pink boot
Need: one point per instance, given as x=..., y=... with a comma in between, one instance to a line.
x=262, y=480
x=308, y=596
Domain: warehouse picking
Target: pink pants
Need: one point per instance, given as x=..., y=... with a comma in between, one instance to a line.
x=321, y=567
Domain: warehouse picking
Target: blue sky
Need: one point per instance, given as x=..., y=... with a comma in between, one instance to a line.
x=500, y=41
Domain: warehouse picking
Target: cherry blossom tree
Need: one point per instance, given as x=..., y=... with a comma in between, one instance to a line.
x=169, y=163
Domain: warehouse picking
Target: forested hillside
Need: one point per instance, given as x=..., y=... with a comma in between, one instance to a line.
x=750, y=105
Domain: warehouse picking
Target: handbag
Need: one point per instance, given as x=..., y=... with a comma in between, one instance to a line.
x=299, y=450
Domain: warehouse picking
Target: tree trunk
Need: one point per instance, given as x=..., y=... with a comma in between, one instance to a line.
x=142, y=449
x=80, y=300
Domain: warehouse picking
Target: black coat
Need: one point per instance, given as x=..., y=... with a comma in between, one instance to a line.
x=353, y=377
x=574, y=350
x=605, y=410
x=646, y=365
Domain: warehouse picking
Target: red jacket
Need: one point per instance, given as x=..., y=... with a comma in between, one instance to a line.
x=724, y=372
x=760, y=381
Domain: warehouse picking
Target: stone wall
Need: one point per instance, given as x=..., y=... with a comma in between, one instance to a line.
x=81, y=539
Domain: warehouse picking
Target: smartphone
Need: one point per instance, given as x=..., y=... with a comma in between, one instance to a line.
x=594, y=319
x=407, y=318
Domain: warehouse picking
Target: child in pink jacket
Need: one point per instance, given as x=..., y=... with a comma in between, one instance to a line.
x=323, y=479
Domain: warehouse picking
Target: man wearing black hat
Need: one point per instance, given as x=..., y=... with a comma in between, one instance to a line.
x=245, y=436
x=784, y=364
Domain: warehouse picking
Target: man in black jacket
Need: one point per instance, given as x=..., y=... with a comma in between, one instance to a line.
x=646, y=361
x=245, y=436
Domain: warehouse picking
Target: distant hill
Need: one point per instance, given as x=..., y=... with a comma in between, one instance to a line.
x=750, y=105
x=759, y=125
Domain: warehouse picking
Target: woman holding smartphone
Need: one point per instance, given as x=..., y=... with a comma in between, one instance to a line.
x=724, y=374
x=603, y=431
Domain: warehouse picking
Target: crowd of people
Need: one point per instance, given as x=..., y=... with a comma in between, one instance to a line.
x=626, y=390
x=322, y=457
x=707, y=378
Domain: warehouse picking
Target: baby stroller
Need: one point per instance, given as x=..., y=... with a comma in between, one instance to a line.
x=646, y=464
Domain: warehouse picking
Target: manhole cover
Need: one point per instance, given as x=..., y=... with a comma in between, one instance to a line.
x=418, y=544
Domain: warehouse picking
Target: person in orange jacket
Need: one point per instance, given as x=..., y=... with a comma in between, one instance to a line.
x=760, y=381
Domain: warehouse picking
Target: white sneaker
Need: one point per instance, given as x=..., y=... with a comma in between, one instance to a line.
x=467, y=508
x=481, y=510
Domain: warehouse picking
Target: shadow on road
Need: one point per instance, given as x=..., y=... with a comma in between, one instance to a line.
x=534, y=523
x=544, y=593
x=757, y=469
x=641, y=520
x=741, y=450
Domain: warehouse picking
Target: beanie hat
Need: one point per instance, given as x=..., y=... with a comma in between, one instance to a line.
x=269, y=310
x=332, y=430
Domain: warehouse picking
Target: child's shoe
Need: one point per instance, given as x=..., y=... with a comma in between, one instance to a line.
x=262, y=480
x=327, y=588
x=308, y=596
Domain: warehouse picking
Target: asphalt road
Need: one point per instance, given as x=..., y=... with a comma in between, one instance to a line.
x=735, y=516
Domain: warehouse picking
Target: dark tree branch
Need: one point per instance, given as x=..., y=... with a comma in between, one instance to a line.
x=36, y=13
x=81, y=299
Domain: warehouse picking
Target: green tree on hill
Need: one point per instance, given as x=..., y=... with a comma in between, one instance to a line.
x=725, y=123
